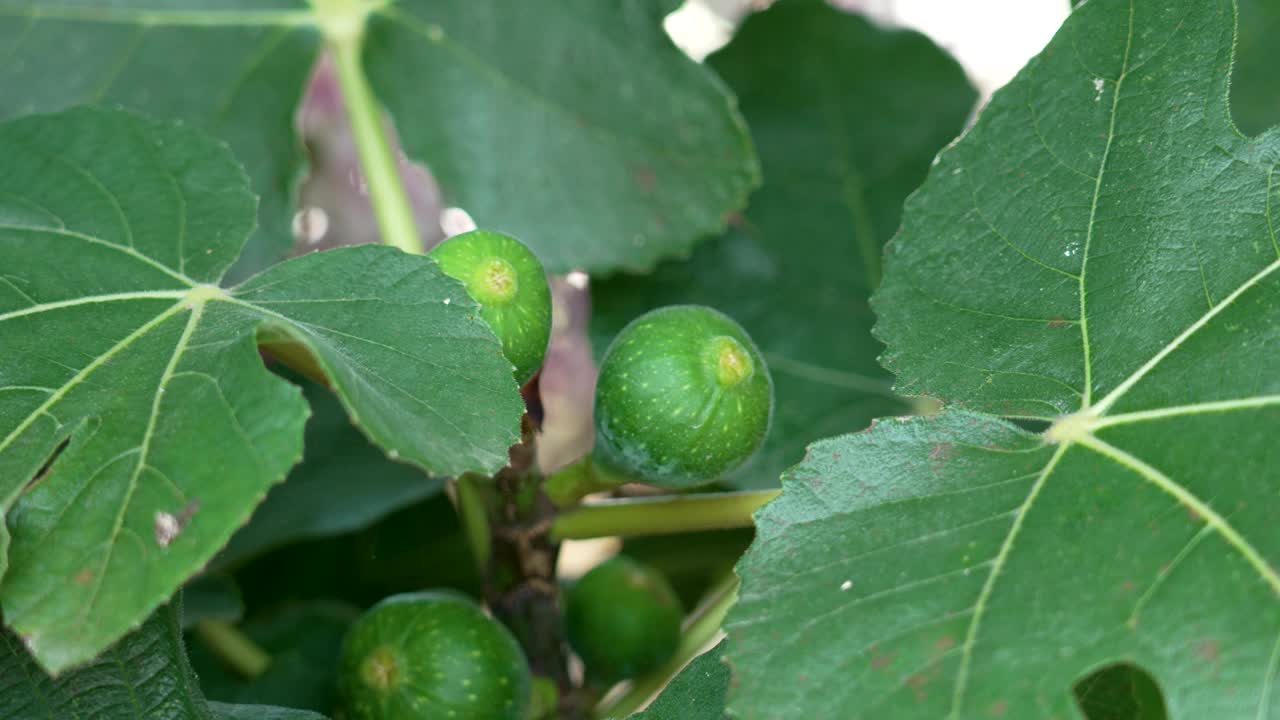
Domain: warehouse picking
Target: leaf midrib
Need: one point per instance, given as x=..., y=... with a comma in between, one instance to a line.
x=144, y=449
x=75, y=380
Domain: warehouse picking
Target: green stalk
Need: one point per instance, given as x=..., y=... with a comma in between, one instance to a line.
x=473, y=512
x=660, y=515
x=567, y=486
x=234, y=647
x=378, y=163
x=700, y=628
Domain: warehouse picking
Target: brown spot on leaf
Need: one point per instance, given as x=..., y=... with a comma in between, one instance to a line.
x=1057, y=321
x=188, y=510
x=916, y=682
x=939, y=454
x=83, y=577
x=1208, y=649
x=998, y=708
x=646, y=179
x=945, y=643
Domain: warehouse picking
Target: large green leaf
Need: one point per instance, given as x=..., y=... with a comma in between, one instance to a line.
x=119, y=348
x=846, y=118
x=1097, y=252
x=145, y=676
x=343, y=484
x=576, y=125
x=234, y=67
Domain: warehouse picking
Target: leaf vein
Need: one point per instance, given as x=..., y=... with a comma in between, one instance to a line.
x=1093, y=215
x=144, y=450
x=975, y=623
x=1211, y=516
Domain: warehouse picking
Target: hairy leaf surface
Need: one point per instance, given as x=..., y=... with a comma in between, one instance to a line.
x=144, y=675
x=697, y=693
x=138, y=427
x=1097, y=253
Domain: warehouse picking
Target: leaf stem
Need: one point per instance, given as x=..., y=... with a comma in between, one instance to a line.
x=377, y=161
x=701, y=628
x=660, y=515
x=234, y=647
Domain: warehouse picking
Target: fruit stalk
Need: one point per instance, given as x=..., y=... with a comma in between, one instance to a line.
x=234, y=647
x=660, y=515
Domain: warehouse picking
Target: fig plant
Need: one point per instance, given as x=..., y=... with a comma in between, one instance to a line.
x=1065, y=509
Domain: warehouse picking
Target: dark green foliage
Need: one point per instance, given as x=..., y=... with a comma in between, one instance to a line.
x=305, y=644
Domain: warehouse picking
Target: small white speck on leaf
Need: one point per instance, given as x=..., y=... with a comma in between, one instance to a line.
x=166, y=528
x=1098, y=84
x=448, y=300
x=844, y=586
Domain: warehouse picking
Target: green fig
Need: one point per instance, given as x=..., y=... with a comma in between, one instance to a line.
x=508, y=282
x=623, y=619
x=684, y=396
x=432, y=655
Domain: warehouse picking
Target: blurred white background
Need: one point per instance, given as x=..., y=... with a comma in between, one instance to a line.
x=992, y=39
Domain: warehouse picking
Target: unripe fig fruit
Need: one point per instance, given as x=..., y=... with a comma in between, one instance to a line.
x=683, y=397
x=508, y=282
x=623, y=619
x=432, y=655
